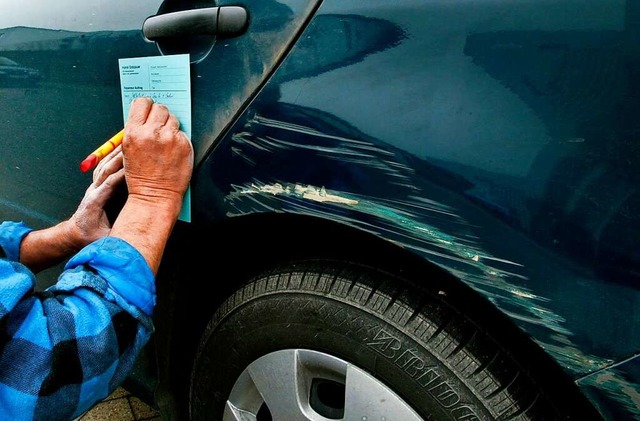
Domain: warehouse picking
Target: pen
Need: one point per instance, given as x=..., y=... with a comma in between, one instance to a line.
x=96, y=156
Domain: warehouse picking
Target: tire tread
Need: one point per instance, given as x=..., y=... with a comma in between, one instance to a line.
x=475, y=357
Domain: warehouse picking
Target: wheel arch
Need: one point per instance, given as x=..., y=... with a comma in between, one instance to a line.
x=254, y=243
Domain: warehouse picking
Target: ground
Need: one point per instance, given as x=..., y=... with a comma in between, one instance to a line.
x=121, y=406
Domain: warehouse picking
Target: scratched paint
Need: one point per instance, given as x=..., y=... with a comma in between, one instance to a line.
x=307, y=192
x=618, y=383
x=414, y=223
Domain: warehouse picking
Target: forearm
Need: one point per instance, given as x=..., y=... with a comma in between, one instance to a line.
x=43, y=248
x=146, y=223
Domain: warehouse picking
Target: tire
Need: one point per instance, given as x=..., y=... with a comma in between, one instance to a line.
x=326, y=340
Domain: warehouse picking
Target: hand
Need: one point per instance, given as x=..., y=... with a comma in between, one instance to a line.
x=158, y=161
x=158, y=156
x=44, y=248
x=90, y=222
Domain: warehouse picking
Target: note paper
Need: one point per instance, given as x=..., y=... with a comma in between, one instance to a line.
x=166, y=79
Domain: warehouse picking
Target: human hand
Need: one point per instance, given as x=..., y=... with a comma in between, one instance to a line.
x=89, y=222
x=46, y=247
x=158, y=156
x=158, y=161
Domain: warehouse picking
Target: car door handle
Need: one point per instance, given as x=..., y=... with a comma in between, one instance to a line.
x=223, y=20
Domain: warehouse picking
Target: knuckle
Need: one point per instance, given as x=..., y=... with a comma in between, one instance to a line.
x=161, y=107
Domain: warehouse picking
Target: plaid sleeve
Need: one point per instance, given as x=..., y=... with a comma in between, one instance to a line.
x=64, y=349
x=11, y=235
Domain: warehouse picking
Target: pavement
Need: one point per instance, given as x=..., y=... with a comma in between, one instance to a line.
x=121, y=406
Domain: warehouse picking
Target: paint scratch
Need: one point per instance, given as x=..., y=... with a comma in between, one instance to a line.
x=307, y=192
x=411, y=219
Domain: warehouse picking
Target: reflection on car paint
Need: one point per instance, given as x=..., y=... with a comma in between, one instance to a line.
x=13, y=74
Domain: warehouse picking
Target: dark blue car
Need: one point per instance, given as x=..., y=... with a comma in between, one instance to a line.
x=401, y=209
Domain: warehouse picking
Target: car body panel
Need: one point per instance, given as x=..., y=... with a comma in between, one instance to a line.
x=48, y=129
x=495, y=139
x=13, y=74
x=614, y=390
x=77, y=55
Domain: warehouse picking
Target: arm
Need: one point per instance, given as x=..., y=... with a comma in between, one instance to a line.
x=79, y=339
x=68, y=347
x=44, y=248
x=157, y=171
x=81, y=330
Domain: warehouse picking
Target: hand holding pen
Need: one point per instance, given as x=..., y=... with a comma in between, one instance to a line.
x=106, y=148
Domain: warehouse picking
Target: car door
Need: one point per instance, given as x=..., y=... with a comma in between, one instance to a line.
x=60, y=91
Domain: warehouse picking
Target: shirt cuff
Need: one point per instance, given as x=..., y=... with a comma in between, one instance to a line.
x=11, y=235
x=124, y=269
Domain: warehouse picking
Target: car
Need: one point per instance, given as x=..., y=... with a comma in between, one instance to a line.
x=400, y=209
x=12, y=73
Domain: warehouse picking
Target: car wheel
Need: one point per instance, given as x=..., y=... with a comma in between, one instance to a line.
x=332, y=341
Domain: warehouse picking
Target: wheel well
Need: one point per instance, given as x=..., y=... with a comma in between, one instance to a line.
x=203, y=268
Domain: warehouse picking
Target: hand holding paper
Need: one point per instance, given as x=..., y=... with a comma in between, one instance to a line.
x=166, y=80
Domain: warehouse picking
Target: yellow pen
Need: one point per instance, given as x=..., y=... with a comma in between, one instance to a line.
x=105, y=149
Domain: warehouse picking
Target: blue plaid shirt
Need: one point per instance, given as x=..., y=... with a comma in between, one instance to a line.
x=66, y=348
